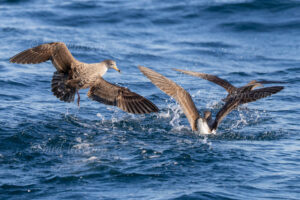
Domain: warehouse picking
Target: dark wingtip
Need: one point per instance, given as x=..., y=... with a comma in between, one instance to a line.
x=11, y=60
x=14, y=59
x=155, y=109
x=280, y=88
x=150, y=107
x=277, y=88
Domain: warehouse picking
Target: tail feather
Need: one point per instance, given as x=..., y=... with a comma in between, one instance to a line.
x=60, y=89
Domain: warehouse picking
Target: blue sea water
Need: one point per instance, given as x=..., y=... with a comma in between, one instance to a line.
x=54, y=150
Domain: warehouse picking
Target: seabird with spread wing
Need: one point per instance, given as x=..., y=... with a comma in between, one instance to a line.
x=72, y=75
x=231, y=89
x=205, y=124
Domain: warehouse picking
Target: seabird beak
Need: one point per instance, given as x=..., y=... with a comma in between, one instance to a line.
x=116, y=68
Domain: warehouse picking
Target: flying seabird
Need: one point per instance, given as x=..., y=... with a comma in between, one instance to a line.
x=232, y=90
x=72, y=75
x=205, y=124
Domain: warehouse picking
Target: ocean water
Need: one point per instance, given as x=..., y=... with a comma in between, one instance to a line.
x=54, y=150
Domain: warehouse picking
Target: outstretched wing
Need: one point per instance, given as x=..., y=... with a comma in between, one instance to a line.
x=110, y=94
x=265, y=82
x=175, y=91
x=221, y=82
x=57, y=52
x=243, y=98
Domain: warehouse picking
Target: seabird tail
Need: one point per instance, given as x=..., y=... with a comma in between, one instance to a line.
x=60, y=89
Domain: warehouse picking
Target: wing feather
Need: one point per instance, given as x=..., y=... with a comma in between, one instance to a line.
x=221, y=82
x=243, y=98
x=110, y=94
x=178, y=93
x=57, y=52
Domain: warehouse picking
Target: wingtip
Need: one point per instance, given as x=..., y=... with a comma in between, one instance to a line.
x=179, y=70
x=156, y=109
x=146, y=71
x=281, y=88
x=142, y=68
x=277, y=88
x=11, y=60
x=152, y=106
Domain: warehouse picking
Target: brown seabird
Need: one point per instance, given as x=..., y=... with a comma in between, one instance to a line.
x=205, y=125
x=72, y=75
x=232, y=90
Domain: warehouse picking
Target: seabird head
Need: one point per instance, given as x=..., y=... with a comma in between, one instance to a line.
x=207, y=115
x=111, y=64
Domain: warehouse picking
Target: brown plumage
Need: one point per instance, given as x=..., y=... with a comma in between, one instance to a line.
x=232, y=90
x=204, y=124
x=243, y=98
x=178, y=93
x=110, y=94
x=72, y=75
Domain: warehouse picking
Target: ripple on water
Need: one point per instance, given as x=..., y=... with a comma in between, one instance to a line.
x=261, y=27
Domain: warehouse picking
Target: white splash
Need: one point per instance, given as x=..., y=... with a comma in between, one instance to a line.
x=174, y=122
x=164, y=114
x=92, y=158
x=78, y=139
x=101, y=117
x=242, y=120
x=205, y=141
x=82, y=146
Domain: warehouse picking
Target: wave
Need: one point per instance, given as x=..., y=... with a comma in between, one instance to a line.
x=253, y=5
x=251, y=26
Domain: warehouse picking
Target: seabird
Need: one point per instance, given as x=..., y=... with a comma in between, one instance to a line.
x=72, y=75
x=205, y=124
x=232, y=90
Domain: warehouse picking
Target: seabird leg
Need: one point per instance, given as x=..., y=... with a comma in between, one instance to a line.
x=78, y=98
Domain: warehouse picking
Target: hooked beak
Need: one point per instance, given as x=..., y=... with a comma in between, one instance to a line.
x=116, y=68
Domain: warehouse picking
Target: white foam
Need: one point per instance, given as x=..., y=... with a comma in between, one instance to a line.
x=204, y=141
x=164, y=114
x=92, y=158
x=82, y=146
x=78, y=139
x=100, y=116
x=154, y=156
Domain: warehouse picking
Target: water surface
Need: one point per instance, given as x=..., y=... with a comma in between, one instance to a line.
x=54, y=150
